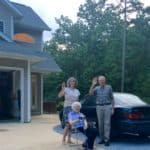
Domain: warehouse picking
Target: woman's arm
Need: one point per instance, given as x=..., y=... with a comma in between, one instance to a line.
x=72, y=122
x=62, y=91
x=85, y=124
x=94, y=82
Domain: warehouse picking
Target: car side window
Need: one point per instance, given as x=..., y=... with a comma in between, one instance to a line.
x=89, y=100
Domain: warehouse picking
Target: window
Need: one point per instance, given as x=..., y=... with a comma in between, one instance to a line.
x=1, y=26
x=127, y=100
x=89, y=100
x=23, y=37
x=34, y=101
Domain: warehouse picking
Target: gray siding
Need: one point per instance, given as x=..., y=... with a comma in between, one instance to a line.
x=5, y=15
x=10, y=27
x=37, y=35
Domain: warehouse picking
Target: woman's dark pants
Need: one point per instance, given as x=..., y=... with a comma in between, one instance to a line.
x=91, y=134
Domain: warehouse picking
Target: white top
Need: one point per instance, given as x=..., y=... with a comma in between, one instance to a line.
x=71, y=95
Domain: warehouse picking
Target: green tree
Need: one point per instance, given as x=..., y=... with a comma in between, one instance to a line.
x=93, y=45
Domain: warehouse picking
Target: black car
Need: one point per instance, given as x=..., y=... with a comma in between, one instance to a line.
x=132, y=115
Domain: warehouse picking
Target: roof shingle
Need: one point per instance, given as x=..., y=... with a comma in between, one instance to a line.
x=30, y=18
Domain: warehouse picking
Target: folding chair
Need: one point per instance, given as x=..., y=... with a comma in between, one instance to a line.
x=79, y=137
x=75, y=132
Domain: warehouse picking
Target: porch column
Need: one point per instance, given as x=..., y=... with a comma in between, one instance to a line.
x=41, y=94
x=29, y=92
x=27, y=100
x=22, y=90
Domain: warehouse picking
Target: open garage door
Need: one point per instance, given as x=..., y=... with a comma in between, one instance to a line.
x=9, y=95
x=6, y=103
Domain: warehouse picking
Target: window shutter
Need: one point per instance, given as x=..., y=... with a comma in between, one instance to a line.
x=1, y=26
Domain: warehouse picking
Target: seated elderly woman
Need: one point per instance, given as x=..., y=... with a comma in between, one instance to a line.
x=77, y=120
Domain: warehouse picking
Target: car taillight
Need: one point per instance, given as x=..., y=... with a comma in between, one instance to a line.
x=133, y=115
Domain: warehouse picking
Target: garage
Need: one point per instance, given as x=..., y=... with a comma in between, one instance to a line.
x=9, y=96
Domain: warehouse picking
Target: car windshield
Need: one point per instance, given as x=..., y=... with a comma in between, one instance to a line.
x=126, y=100
x=89, y=101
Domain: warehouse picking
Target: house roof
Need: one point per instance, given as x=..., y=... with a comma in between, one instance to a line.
x=20, y=50
x=9, y=5
x=25, y=15
x=25, y=51
x=30, y=18
x=46, y=66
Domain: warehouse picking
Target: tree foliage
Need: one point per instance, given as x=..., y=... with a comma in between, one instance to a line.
x=93, y=45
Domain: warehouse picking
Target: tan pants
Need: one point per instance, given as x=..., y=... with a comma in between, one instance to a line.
x=104, y=121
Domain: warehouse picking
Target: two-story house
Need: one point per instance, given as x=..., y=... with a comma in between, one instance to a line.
x=22, y=60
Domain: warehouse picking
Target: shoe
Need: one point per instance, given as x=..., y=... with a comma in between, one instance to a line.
x=84, y=145
x=107, y=143
x=70, y=143
x=64, y=143
x=101, y=142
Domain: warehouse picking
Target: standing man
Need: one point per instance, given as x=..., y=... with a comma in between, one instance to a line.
x=104, y=107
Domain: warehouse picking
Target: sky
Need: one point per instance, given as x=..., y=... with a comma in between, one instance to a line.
x=48, y=10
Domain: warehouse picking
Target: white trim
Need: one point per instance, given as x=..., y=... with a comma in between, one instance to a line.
x=22, y=95
x=2, y=35
x=29, y=92
x=41, y=94
x=21, y=87
x=33, y=59
x=11, y=27
x=10, y=68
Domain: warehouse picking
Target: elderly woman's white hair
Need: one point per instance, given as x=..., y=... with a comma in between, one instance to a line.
x=75, y=105
x=70, y=79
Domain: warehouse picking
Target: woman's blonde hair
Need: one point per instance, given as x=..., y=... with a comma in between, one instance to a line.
x=75, y=105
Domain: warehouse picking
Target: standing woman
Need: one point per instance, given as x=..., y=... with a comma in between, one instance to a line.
x=71, y=94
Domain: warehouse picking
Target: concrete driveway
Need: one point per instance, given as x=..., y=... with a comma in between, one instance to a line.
x=45, y=133
x=37, y=135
